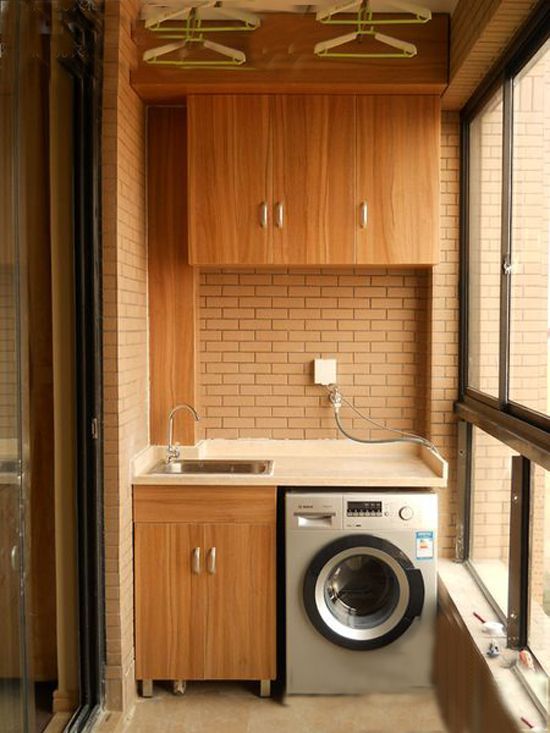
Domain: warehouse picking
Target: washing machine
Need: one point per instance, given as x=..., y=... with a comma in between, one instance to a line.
x=360, y=591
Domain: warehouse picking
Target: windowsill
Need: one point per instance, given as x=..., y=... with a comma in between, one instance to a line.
x=467, y=598
x=494, y=576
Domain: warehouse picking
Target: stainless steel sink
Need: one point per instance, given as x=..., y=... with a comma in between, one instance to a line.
x=213, y=466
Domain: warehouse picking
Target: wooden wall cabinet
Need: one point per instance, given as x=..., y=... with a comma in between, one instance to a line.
x=205, y=582
x=229, y=179
x=271, y=179
x=313, y=180
x=398, y=152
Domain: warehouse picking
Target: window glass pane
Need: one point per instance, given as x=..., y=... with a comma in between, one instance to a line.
x=484, y=226
x=530, y=292
x=490, y=518
x=539, y=610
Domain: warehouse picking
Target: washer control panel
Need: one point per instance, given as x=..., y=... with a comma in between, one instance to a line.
x=406, y=513
x=404, y=510
x=392, y=510
x=364, y=509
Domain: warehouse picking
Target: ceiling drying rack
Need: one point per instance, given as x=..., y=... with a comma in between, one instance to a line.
x=366, y=25
x=188, y=29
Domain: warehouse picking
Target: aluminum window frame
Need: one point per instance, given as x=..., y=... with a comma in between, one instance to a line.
x=522, y=49
x=519, y=427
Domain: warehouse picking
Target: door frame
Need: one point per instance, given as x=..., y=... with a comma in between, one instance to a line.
x=83, y=21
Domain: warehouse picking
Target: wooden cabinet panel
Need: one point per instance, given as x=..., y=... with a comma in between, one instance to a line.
x=229, y=167
x=205, y=503
x=170, y=602
x=398, y=143
x=240, y=626
x=314, y=179
x=173, y=284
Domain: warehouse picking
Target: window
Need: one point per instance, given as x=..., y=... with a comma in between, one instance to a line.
x=505, y=345
x=530, y=246
x=507, y=242
x=484, y=227
x=490, y=518
x=539, y=571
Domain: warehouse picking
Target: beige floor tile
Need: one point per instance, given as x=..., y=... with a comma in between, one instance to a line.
x=234, y=708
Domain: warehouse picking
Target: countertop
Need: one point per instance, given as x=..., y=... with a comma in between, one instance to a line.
x=305, y=463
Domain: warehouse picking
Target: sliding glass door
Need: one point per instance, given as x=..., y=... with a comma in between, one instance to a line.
x=15, y=702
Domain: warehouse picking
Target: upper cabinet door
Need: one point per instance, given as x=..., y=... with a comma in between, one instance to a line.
x=229, y=179
x=314, y=180
x=398, y=143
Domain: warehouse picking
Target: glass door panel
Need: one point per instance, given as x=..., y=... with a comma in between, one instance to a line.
x=14, y=700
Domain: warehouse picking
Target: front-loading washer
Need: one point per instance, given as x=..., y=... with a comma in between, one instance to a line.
x=360, y=591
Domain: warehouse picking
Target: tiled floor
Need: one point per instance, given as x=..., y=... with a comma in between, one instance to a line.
x=232, y=708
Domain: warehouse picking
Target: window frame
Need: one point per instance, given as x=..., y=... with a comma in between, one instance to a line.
x=519, y=427
x=522, y=49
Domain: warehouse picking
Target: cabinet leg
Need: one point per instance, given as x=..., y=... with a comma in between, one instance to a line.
x=147, y=688
x=265, y=688
x=179, y=687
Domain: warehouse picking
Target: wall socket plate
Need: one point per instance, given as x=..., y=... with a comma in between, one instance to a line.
x=324, y=371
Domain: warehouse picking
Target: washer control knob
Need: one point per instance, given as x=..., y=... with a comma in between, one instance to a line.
x=406, y=513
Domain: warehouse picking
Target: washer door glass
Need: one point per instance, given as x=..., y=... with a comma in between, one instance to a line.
x=361, y=591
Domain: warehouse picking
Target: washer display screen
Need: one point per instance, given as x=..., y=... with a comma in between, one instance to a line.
x=364, y=509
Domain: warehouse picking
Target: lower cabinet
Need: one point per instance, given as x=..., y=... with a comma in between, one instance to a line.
x=205, y=590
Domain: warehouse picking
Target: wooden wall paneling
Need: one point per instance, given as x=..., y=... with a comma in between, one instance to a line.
x=170, y=602
x=480, y=32
x=240, y=625
x=398, y=160
x=280, y=59
x=179, y=503
x=64, y=368
x=314, y=179
x=229, y=179
x=172, y=282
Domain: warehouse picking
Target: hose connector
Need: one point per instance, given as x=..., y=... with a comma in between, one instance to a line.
x=335, y=397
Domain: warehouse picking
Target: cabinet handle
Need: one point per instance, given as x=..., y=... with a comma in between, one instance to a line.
x=279, y=215
x=212, y=561
x=264, y=213
x=363, y=215
x=196, y=563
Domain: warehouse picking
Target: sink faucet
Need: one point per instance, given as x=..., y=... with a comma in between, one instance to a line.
x=173, y=451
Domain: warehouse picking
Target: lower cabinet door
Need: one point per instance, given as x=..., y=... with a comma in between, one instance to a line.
x=240, y=615
x=170, y=601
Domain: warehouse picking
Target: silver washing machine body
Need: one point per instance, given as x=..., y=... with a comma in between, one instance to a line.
x=360, y=591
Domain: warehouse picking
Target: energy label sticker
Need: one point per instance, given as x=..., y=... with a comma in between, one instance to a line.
x=424, y=545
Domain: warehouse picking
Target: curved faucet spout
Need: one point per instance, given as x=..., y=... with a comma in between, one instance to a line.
x=173, y=451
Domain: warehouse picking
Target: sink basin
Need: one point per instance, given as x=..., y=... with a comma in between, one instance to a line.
x=214, y=466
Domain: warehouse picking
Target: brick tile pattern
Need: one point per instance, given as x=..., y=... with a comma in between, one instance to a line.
x=125, y=335
x=8, y=360
x=394, y=333
x=443, y=330
x=261, y=330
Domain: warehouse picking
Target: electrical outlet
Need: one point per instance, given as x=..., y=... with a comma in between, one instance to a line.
x=324, y=371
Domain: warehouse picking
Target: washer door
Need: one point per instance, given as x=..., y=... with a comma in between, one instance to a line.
x=362, y=592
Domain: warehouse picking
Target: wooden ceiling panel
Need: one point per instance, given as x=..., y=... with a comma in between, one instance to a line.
x=280, y=59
